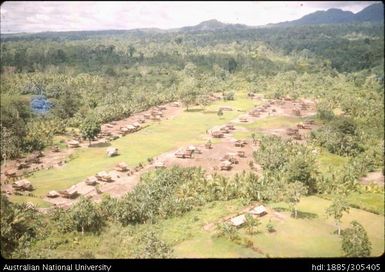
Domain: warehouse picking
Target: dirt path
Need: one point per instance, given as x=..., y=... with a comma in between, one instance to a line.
x=373, y=177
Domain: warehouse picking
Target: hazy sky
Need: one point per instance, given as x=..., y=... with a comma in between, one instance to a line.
x=65, y=16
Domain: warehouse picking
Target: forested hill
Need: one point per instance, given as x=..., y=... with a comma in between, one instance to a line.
x=85, y=49
x=372, y=13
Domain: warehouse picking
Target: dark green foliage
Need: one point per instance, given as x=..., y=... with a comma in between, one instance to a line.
x=339, y=136
x=83, y=216
x=228, y=231
x=355, y=241
x=338, y=207
x=90, y=128
x=295, y=162
x=20, y=224
x=150, y=246
x=14, y=116
x=86, y=217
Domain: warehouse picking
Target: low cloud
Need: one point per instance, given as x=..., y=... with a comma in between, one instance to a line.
x=65, y=16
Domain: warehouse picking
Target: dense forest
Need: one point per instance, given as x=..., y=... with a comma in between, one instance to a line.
x=52, y=82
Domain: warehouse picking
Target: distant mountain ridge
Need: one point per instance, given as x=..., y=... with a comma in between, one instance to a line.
x=372, y=13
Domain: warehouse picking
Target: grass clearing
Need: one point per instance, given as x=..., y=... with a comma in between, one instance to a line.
x=312, y=234
x=328, y=160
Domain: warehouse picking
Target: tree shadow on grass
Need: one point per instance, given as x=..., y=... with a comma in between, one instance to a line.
x=100, y=145
x=194, y=110
x=300, y=214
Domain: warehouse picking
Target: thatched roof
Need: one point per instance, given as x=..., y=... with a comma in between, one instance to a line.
x=53, y=194
x=23, y=184
x=226, y=163
x=111, y=151
x=91, y=180
x=73, y=142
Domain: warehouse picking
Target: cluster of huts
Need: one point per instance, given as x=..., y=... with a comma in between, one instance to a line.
x=262, y=109
x=222, y=131
x=130, y=128
x=102, y=176
x=187, y=152
x=239, y=220
x=294, y=132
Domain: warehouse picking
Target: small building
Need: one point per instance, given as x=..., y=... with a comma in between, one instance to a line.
x=226, y=165
x=238, y=220
x=241, y=153
x=70, y=193
x=259, y=210
x=159, y=165
x=112, y=151
x=23, y=185
x=91, y=181
x=109, y=125
x=53, y=194
x=217, y=134
x=121, y=167
x=136, y=125
x=104, y=176
x=73, y=144
x=131, y=128
x=10, y=173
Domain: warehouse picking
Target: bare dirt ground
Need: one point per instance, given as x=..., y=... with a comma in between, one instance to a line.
x=373, y=177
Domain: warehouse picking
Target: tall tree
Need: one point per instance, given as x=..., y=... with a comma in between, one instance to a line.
x=337, y=209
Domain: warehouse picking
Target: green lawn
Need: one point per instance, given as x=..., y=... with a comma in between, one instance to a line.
x=312, y=235
x=368, y=201
x=159, y=137
x=327, y=159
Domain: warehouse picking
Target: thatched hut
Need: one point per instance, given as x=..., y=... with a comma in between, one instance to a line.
x=53, y=194
x=22, y=185
x=10, y=173
x=238, y=220
x=73, y=144
x=226, y=165
x=112, y=151
x=259, y=210
x=91, y=181
x=70, y=193
x=121, y=167
x=159, y=165
x=104, y=176
x=217, y=134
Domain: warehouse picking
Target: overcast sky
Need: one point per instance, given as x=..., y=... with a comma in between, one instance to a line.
x=66, y=16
